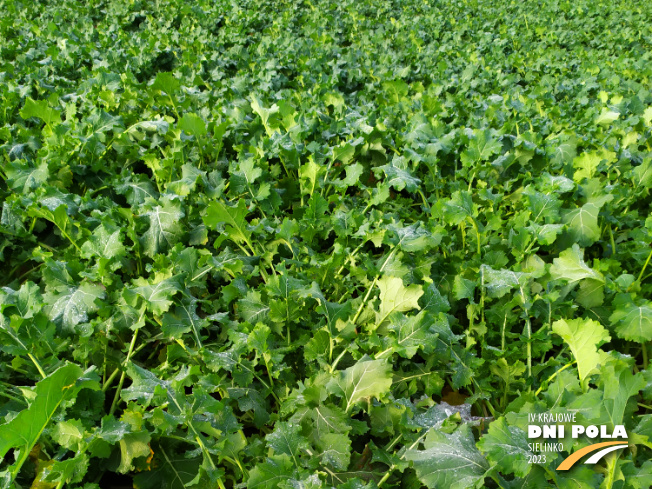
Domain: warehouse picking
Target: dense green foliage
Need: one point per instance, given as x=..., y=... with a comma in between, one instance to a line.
x=307, y=243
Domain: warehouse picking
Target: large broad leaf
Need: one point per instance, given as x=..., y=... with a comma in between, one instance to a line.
x=137, y=189
x=399, y=175
x=70, y=306
x=395, y=297
x=193, y=124
x=583, y=336
x=25, y=429
x=367, y=378
x=231, y=218
x=24, y=177
x=570, y=266
x=157, y=293
x=335, y=450
x=268, y=475
x=638, y=478
x=633, y=323
x=133, y=445
x=481, y=148
x=105, y=242
x=412, y=333
x=499, y=282
x=287, y=439
x=458, y=208
x=507, y=447
x=41, y=110
x=450, y=461
x=252, y=308
x=619, y=385
x=583, y=224
x=164, y=228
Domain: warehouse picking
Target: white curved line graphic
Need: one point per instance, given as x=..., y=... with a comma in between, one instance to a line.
x=597, y=456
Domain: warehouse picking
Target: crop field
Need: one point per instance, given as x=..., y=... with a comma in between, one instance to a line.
x=305, y=244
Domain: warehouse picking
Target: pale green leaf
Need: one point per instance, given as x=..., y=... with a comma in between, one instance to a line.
x=583, y=336
x=449, y=461
x=367, y=378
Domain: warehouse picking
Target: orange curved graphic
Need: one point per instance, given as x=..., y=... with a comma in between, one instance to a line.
x=571, y=459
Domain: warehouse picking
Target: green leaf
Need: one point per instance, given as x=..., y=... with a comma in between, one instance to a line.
x=480, y=148
x=591, y=293
x=632, y=322
x=570, y=266
x=133, y=445
x=581, y=477
x=395, y=297
x=367, y=378
x=606, y=117
x=582, y=224
x=309, y=176
x=188, y=181
x=166, y=82
x=507, y=447
x=620, y=384
x=463, y=288
x=638, y=477
x=252, y=308
x=335, y=450
x=66, y=471
x=499, y=282
x=399, y=175
x=587, y=163
x=170, y=469
x=458, y=208
x=345, y=153
x=642, y=174
x=70, y=306
x=232, y=218
x=268, y=475
x=23, y=177
x=326, y=419
x=287, y=439
x=158, y=292
x=264, y=114
x=449, y=461
x=106, y=242
x=193, y=124
x=583, y=336
x=412, y=333
x=41, y=110
x=164, y=228
x=506, y=372
x=25, y=429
